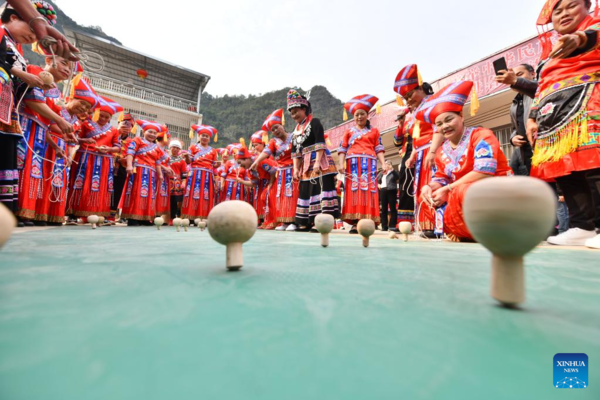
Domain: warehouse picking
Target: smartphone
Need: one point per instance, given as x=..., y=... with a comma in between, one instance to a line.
x=500, y=65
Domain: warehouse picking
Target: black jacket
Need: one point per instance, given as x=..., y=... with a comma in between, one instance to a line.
x=526, y=89
x=392, y=180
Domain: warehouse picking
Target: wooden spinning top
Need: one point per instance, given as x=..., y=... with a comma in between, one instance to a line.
x=93, y=219
x=366, y=228
x=233, y=223
x=324, y=224
x=405, y=229
x=159, y=221
x=509, y=216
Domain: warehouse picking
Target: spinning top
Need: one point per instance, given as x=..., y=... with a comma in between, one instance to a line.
x=177, y=223
x=233, y=223
x=101, y=221
x=185, y=223
x=93, y=219
x=366, y=227
x=509, y=216
x=197, y=222
x=7, y=224
x=405, y=229
x=392, y=235
x=47, y=78
x=324, y=224
x=202, y=225
x=159, y=221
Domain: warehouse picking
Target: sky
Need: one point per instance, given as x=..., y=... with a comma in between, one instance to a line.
x=352, y=47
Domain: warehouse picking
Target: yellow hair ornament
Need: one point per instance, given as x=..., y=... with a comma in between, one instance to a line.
x=74, y=84
x=216, y=137
x=283, y=119
x=243, y=142
x=345, y=115
x=474, y=102
x=420, y=78
x=265, y=137
x=96, y=115
x=417, y=130
x=378, y=109
x=121, y=116
x=399, y=100
x=191, y=135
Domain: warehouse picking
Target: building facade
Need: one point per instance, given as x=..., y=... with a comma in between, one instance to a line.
x=146, y=87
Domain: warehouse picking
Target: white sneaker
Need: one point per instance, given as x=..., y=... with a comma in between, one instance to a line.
x=291, y=228
x=593, y=243
x=572, y=237
x=281, y=228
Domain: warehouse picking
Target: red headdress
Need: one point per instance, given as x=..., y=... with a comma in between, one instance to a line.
x=145, y=125
x=260, y=137
x=451, y=98
x=408, y=79
x=206, y=130
x=275, y=118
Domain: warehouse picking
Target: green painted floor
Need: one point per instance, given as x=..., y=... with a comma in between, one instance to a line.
x=132, y=313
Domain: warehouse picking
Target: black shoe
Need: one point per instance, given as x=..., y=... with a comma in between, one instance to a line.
x=430, y=234
x=133, y=222
x=302, y=229
x=55, y=224
x=314, y=230
x=20, y=224
x=28, y=223
x=40, y=223
x=394, y=230
x=384, y=229
x=353, y=231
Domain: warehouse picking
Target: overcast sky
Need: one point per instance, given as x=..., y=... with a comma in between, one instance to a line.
x=352, y=47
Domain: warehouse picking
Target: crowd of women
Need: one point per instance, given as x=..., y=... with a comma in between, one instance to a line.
x=61, y=157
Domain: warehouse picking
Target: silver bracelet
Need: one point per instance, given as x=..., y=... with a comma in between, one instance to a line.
x=36, y=18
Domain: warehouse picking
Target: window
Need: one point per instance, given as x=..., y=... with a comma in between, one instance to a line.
x=503, y=134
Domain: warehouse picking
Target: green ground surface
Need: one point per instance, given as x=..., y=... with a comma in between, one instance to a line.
x=132, y=313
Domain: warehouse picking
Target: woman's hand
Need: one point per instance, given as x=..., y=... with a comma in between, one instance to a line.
x=518, y=141
x=440, y=196
x=30, y=79
x=506, y=77
x=426, y=193
x=130, y=169
x=566, y=45
x=253, y=166
x=64, y=126
x=69, y=137
x=410, y=163
x=532, y=130
x=87, y=141
x=62, y=48
x=316, y=170
x=430, y=160
x=296, y=174
x=60, y=153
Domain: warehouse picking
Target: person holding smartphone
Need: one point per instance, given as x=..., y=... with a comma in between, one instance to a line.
x=521, y=79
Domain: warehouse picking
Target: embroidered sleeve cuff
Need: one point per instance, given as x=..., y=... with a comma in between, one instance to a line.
x=267, y=151
x=342, y=150
x=379, y=149
x=35, y=95
x=441, y=181
x=486, y=166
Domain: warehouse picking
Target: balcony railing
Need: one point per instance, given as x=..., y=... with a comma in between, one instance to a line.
x=142, y=94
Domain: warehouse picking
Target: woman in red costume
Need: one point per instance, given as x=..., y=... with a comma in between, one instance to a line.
x=425, y=143
x=163, y=197
x=466, y=156
x=358, y=154
x=284, y=197
x=92, y=179
x=144, y=175
x=564, y=121
x=199, y=194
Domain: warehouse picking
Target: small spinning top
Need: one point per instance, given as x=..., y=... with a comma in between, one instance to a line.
x=202, y=225
x=233, y=223
x=101, y=221
x=324, y=224
x=366, y=228
x=93, y=219
x=7, y=224
x=177, y=223
x=185, y=223
x=197, y=222
x=405, y=229
x=159, y=221
x=509, y=216
x=392, y=235
x=47, y=78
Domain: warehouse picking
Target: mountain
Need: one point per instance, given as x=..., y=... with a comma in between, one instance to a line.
x=237, y=116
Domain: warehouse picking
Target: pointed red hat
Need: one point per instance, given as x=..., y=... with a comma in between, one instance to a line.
x=145, y=125
x=275, y=118
x=363, y=102
x=83, y=90
x=260, y=137
x=451, y=98
x=407, y=80
x=243, y=154
x=205, y=130
x=110, y=106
